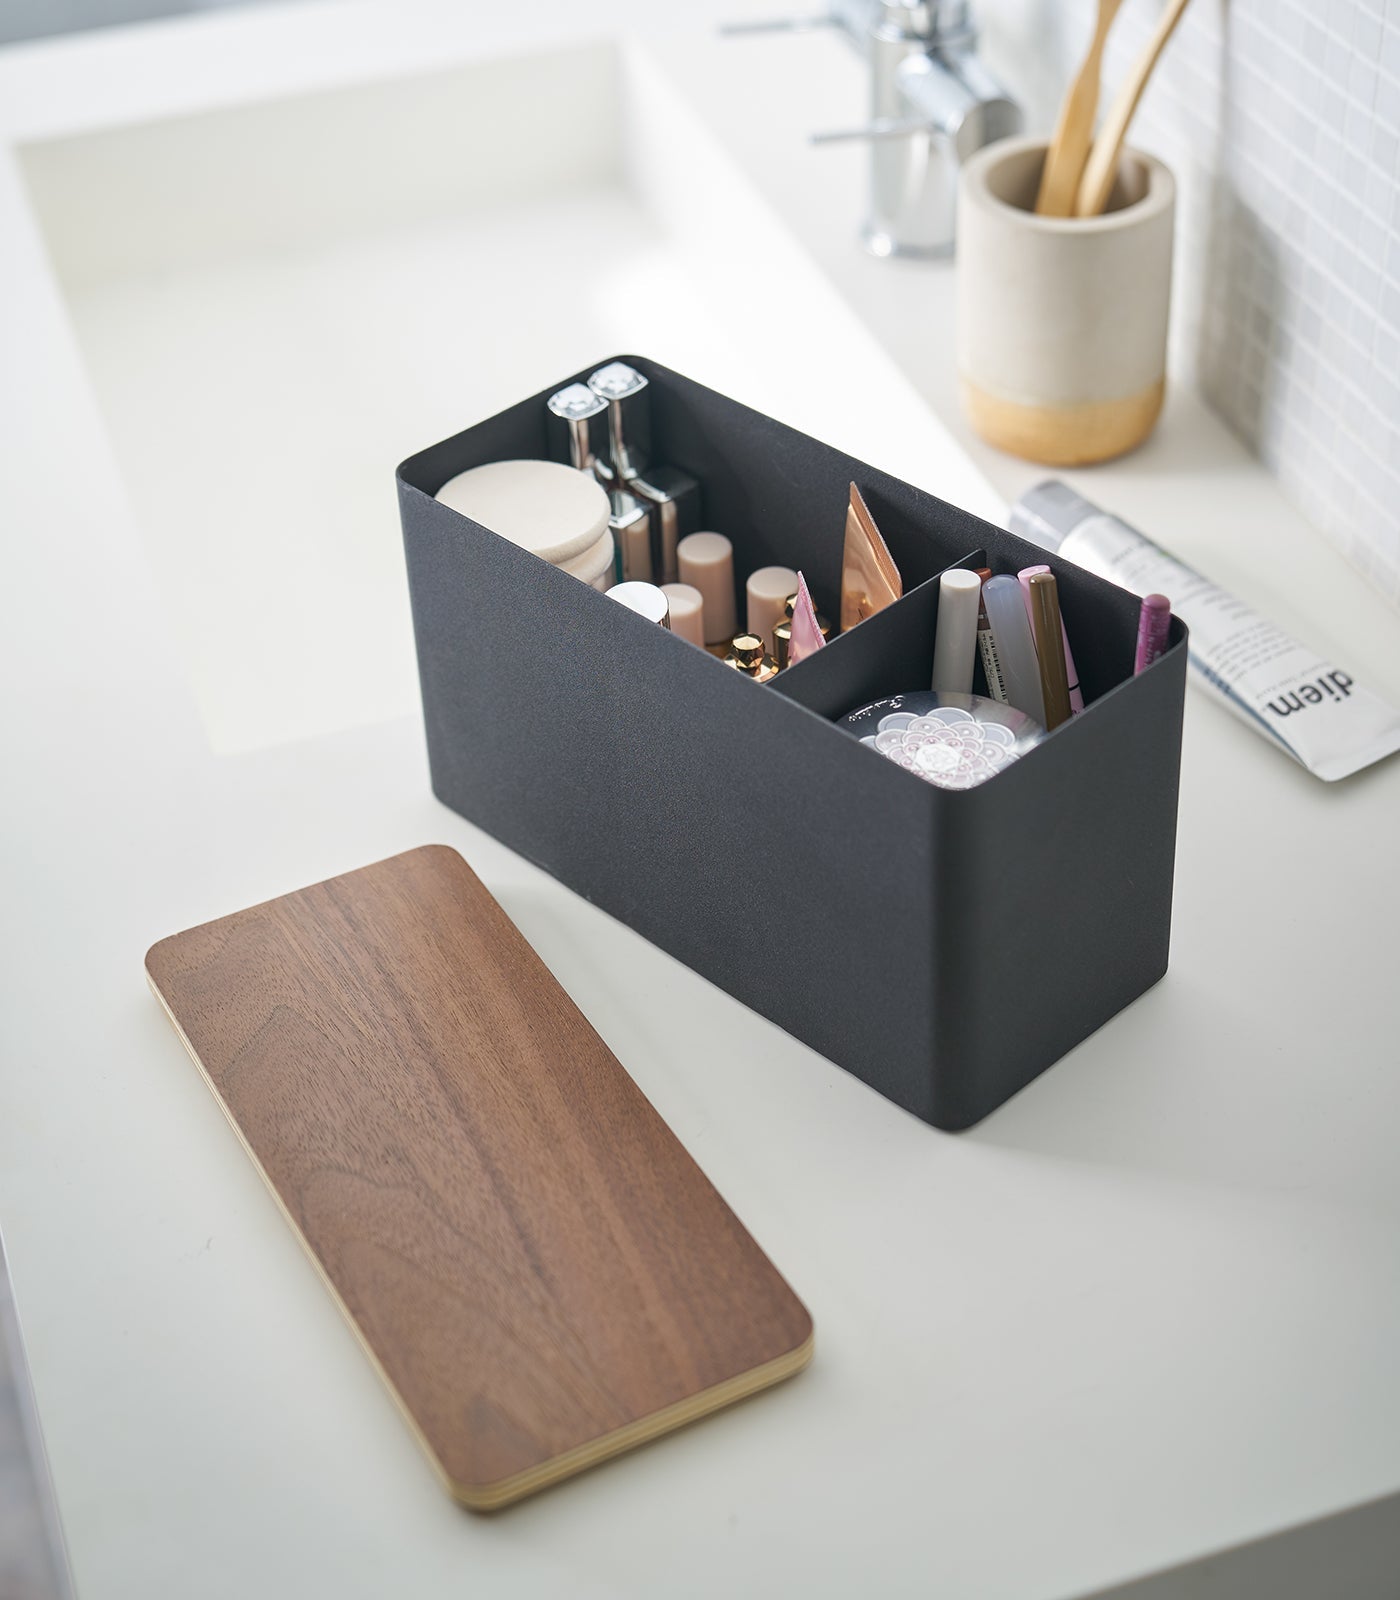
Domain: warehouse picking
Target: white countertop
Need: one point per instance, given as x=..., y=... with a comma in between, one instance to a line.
x=1148, y=1309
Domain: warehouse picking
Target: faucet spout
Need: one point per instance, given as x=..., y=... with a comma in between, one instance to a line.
x=959, y=100
x=933, y=103
x=925, y=67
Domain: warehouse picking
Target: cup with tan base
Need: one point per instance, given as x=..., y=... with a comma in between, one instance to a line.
x=1062, y=321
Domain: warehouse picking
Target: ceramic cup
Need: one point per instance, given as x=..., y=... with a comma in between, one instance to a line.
x=1062, y=321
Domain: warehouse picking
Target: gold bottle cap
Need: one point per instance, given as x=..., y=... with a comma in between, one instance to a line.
x=747, y=655
x=745, y=652
x=782, y=637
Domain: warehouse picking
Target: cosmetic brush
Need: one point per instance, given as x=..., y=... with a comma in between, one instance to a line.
x=1069, y=147
x=1102, y=166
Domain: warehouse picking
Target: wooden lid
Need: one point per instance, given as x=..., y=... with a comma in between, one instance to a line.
x=536, y=1266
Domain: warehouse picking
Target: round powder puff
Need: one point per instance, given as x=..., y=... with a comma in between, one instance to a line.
x=543, y=506
x=595, y=565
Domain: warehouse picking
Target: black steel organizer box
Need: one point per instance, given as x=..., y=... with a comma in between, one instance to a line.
x=944, y=946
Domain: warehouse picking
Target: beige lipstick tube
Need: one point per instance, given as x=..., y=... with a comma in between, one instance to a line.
x=707, y=563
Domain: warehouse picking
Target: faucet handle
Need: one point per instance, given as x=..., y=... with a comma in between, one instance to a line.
x=739, y=30
x=961, y=103
x=881, y=128
x=852, y=17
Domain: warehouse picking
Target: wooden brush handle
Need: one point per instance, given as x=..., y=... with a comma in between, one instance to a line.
x=1064, y=160
x=1102, y=166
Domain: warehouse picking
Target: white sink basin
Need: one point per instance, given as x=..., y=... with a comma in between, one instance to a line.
x=279, y=301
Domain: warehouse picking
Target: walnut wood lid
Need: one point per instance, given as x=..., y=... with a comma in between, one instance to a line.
x=535, y=1265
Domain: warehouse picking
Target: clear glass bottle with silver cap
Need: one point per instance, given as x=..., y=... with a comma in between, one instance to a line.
x=578, y=435
x=672, y=495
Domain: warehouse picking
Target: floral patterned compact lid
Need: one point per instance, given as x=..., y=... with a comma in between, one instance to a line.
x=953, y=740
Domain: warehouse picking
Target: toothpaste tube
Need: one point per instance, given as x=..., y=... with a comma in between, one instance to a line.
x=1317, y=712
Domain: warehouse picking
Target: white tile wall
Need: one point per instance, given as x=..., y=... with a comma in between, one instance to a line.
x=1281, y=120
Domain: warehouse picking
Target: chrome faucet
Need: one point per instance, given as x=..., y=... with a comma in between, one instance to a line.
x=932, y=105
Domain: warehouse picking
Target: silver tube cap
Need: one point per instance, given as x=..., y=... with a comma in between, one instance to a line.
x=629, y=416
x=1047, y=514
x=578, y=429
